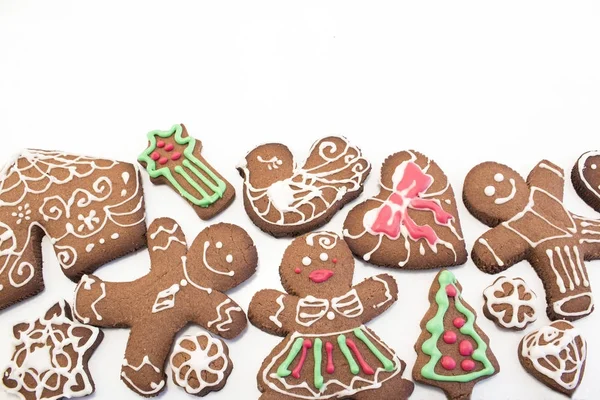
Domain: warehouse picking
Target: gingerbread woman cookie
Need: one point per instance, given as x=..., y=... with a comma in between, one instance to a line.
x=51, y=357
x=182, y=287
x=284, y=199
x=328, y=352
x=173, y=157
x=91, y=209
x=510, y=303
x=530, y=222
x=413, y=222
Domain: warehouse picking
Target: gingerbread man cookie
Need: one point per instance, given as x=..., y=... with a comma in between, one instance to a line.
x=51, y=357
x=173, y=157
x=91, y=209
x=531, y=223
x=284, y=199
x=182, y=287
x=328, y=352
x=413, y=222
x=510, y=303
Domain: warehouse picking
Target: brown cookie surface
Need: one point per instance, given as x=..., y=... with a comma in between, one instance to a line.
x=413, y=222
x=200, y=364
x=284, y=199
x=173, y=158
x=510, y=303
x=182, y=287
x=585, y=176
x=453, y=353
x=91, y=209
x=531, y=223
x=51, y=357
x=327, y=351
x=555, y=355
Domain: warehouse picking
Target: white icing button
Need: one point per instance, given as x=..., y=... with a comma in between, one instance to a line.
x=498, y=177
x=1, y=287
x=306, y=261
x=330, y=315
x=183, y=282
x=114, y=236
x=101, y=241
x=489, y=191
x=593, y=166
x=219, y=245
x=229, y=258
x=323, y=256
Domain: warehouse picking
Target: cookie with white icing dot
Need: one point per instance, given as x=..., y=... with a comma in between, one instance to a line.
x=510, y=303
x=585, y=176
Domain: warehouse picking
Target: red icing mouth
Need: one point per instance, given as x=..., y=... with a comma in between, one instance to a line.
x=320, y=275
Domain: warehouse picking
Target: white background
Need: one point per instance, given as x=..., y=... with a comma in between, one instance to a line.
x=466, y=82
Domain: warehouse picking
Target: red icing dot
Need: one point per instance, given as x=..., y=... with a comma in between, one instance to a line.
x=448, y=362
x=155, y=156
x=163, y=160
x=176, y=156
x=467, y=365
x=334, y=260
x=465, y=348
x=459, y=322
x=169, y=146
x=160, y=144
x=450, y=290
x=297, y=270
x=449, y=337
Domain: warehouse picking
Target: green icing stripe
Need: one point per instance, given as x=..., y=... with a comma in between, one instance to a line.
x=318, y=359
x=435, y=326
x=283, y=369
x=346, y=352
x=190, y=162
x=388, y=365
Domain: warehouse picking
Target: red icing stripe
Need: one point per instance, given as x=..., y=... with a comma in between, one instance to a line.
x=361, y=361
x=305, y=346
x=329, y=349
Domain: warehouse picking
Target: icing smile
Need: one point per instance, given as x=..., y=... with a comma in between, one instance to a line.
x=513, y=191
x=320, y=275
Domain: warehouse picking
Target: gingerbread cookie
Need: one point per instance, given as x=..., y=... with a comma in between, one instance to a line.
x=51, y=357
x=200, y=364
x=453, y=353
x=510, y=303
x=91, y=209
x=555, y=355
x=531, y=223
x=173, y=158
x=182, y=287
x=413, y=222
x=586, y=178
x=328, y=352
x=286, y=200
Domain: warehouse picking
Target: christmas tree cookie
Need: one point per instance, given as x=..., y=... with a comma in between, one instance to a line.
x=452, y=352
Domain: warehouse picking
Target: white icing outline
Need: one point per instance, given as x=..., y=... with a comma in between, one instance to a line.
x=513, y=300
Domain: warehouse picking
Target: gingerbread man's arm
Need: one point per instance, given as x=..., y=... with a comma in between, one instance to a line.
x=548, y=177
x=376, y=294
x=499, y=248
x=273, y=312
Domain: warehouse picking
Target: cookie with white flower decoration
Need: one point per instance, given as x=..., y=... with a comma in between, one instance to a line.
x=285, y=199
x=327, y=352
x=200, y=364
x=91, y=210
x=555, y=355
x=51, y=357
x=510, y=303
x=183, y=286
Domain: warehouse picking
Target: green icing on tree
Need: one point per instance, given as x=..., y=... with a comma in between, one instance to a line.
x=435, y=326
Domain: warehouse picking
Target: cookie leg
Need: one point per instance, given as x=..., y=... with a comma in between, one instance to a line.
x=394, y=388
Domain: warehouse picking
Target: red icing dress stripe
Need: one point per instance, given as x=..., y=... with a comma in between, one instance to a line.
x=329, y=349
x=361, y=361
x=305, y=346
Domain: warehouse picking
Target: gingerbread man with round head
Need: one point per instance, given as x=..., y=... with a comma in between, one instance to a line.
x=183, y=286
x=531, y=223
x=328, y=352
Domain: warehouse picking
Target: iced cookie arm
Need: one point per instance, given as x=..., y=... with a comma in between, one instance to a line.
x=104, y=304
x=217, y=312
x=377, y=294
x=498, y=249
x=548, y=177
x=273, y=311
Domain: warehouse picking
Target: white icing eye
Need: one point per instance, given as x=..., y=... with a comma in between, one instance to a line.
x=498, y=177
x=489, y=191
x=593, y=166
x=229, y=258
x=323, y=256
x=219, y=245
x=306, y=261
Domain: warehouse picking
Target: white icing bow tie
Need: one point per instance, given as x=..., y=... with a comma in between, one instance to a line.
x=311, y=309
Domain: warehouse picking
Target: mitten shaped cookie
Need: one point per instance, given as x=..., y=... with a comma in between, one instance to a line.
x=173, y=158
x=531, y=223
x=284, y=199
x=182, y=287
x=91, y=209
x=328, y=352
x=413, y=222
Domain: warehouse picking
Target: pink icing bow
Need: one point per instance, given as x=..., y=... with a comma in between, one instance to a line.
x=394, y=211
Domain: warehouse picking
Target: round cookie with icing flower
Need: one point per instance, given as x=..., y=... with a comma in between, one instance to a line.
x=530, y=222
x=510, y=303
x=585, y=176
x=183, y=286
x=327, y=352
